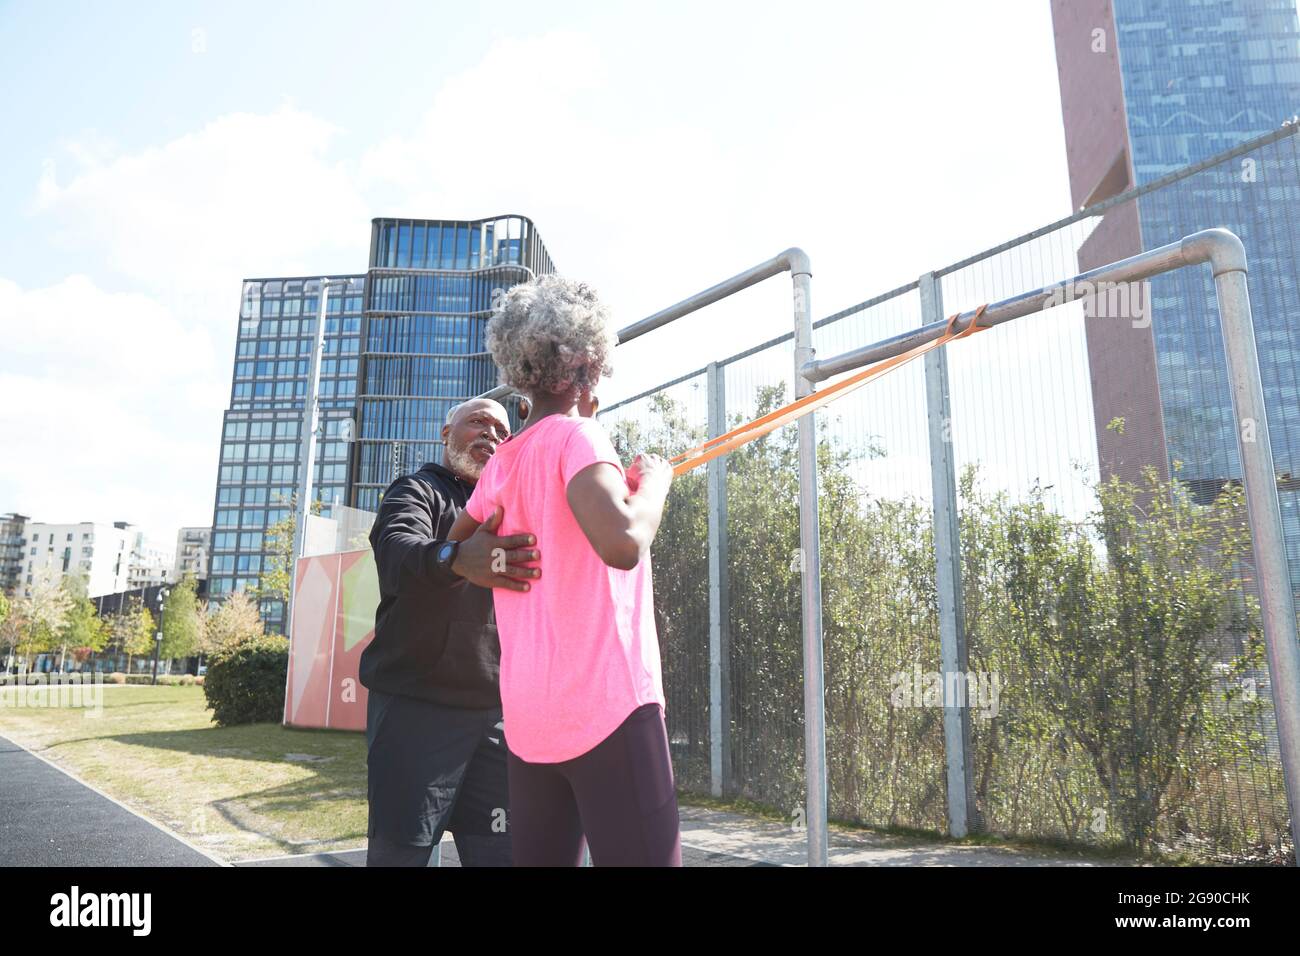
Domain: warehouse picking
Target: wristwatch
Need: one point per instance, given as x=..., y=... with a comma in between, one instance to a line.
x=446, y=555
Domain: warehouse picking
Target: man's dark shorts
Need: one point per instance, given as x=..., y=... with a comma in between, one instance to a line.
x=431, y=769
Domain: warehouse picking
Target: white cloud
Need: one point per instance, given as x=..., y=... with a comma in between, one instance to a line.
x=113, y=408
x=118, y=396
x=245, y=195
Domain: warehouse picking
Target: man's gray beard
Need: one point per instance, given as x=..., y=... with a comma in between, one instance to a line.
x=463, y=463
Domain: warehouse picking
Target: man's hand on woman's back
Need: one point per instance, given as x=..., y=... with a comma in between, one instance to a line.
x=493, y=561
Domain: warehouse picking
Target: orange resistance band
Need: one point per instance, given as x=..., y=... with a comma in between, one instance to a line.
x=809, y=403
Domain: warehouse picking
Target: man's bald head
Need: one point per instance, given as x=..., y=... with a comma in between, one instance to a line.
x=473, y=430
x=476, y=404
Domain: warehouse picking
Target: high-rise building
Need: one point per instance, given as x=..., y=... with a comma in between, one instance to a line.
x=257, y=477
x=403, y=344
x=192, y=546
x=429, y=293
x=1149, y=87
x=13, y=540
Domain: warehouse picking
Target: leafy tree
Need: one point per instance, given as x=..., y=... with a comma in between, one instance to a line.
x=207, y=638
x=12, y=627
x=82, y=627
x=39, y=616
x=142, y=634
x=1132, y=635
x=276, y=570
x=181, y=623
x=236, y=620
x=132, y=630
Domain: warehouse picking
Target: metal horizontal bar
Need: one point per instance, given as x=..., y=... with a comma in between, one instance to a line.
x=1210, y=245
x=761, y=346
x=867, y=304
x=793, y=260
x=497, y=393
x=658, y=388
x=781, y=339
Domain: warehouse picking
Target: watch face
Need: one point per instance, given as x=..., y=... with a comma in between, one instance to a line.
x=446, y=551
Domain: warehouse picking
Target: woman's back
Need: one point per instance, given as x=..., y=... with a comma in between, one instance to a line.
x=579, y=650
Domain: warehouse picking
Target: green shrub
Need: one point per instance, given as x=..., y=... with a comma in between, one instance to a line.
x=245, y=683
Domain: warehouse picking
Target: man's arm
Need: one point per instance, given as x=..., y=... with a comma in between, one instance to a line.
x=406, y=549
x=403, y=538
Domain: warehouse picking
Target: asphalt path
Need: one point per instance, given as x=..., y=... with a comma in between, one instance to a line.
x=48, y=818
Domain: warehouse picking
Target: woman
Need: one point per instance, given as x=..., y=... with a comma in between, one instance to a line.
x=581, y=690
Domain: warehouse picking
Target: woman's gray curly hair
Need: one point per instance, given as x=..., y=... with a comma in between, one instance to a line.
x=550, y=335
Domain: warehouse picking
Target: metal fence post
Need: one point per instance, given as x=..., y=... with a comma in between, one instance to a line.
x=947, y=567
x=719, y=595
x=307, y=455
x=814, y=695
x=1276, y=599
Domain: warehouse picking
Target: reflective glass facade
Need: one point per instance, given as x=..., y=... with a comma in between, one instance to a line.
x=261, y=433
x=403, y=343
x=1200, y=78
x=429, y=294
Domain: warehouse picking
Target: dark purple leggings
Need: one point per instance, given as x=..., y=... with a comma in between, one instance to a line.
x=620, y=795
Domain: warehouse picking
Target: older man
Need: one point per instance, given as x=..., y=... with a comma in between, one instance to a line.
x=437, y=752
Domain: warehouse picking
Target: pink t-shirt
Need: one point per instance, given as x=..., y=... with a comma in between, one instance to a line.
x=579, y=650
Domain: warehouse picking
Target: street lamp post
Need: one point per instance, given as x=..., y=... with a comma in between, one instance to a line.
x=157, y=638
x=311, y=420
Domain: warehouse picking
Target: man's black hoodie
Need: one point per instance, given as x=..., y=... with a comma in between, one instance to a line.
x=435, y=633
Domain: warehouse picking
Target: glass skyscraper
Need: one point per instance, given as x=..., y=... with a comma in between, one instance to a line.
x=402, y=344
x=1149, y=87
x=429, y=293
x=262, y=430
x=1200, y=78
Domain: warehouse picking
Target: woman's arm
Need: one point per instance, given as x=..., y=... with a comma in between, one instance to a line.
x=620, y=524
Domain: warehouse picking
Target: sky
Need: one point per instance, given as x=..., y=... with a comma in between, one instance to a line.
x=156, y=154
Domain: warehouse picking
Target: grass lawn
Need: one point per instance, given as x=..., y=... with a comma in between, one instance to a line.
x=239, y=792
